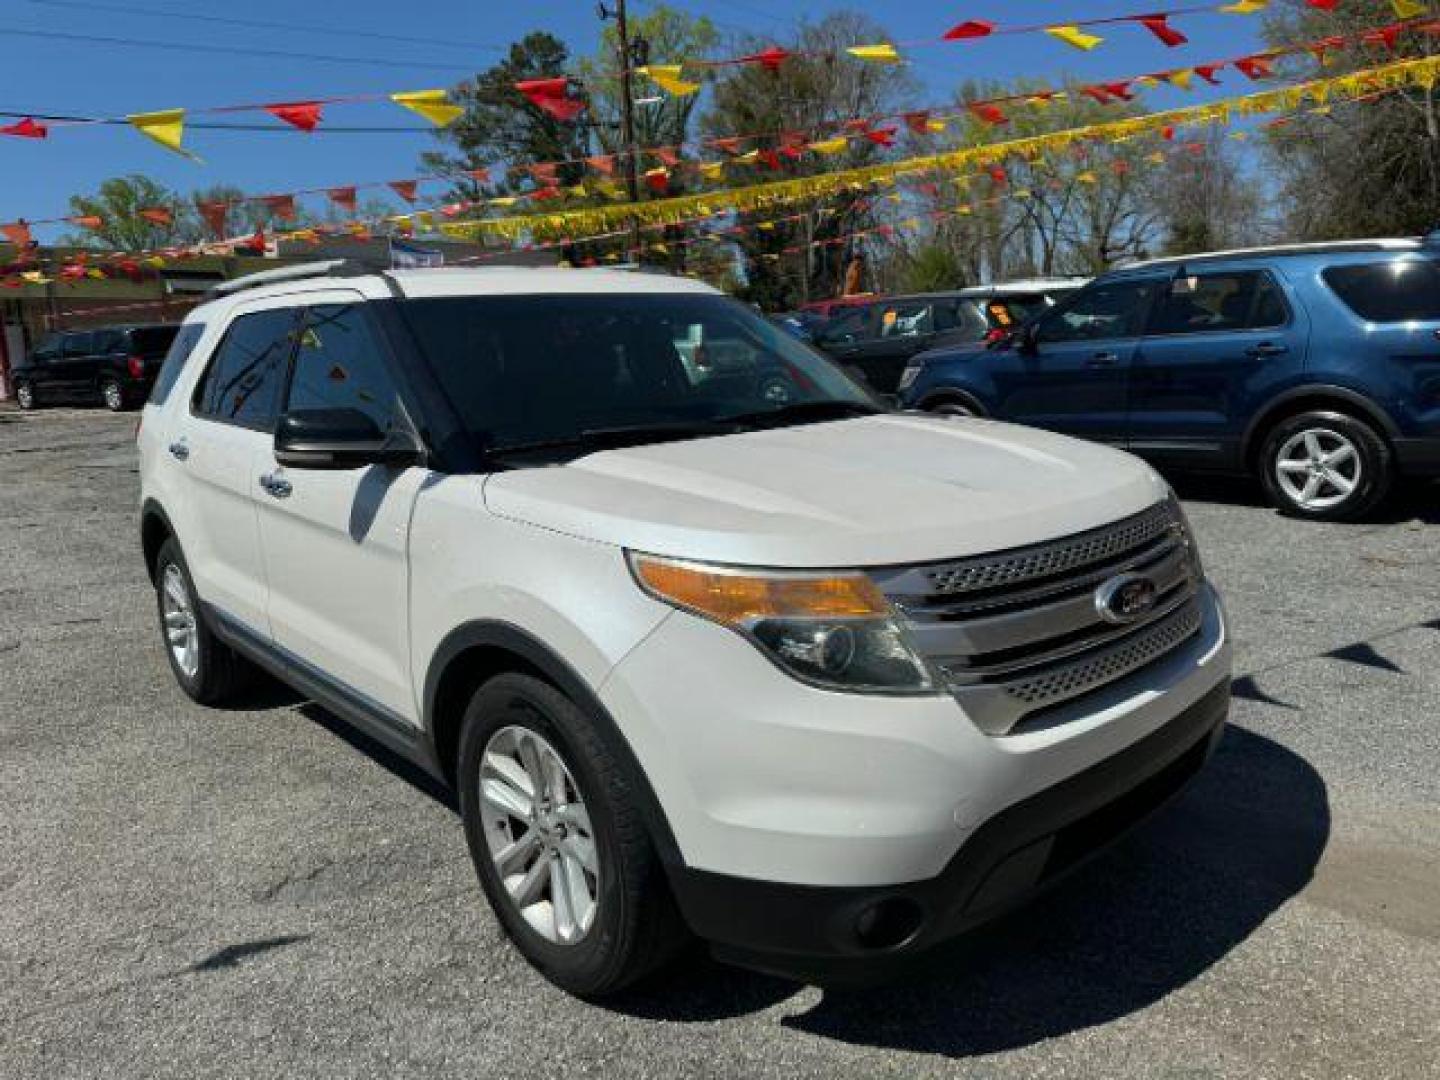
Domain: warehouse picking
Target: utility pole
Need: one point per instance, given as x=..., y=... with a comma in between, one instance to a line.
x=626, y=56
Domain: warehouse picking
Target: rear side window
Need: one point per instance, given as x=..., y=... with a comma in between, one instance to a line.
x=242, y=384
x=79, y=344
x=1216, y=303
x=341, y=365
x=152, y=340
x=108, y=341
x=180, y=350
x=1396, y=291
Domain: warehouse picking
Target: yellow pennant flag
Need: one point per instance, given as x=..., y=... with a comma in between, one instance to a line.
x=167, y=128
x=884, y=53
x=1408, y=9
x=712, y=170
x=1245, y=7
x=95, y=274
x=830, y=146
x=503, y=200
x=433, y=105
x=34, y=277
x=1087, y=177
x=1073, y=35
x=1182, y=78
x=1157, y=158
x=668, y=78
x=935, y=127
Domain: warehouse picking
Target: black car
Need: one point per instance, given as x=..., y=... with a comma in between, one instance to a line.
x=875, y=341
x=114, y=365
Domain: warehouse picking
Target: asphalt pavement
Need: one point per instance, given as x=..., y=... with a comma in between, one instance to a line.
x=259, y=892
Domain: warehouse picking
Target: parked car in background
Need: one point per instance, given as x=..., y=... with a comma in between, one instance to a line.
x=819, y=683
x=876, y=340
x=1314, y=367
x=828, y=309
x=114, y=366
x=801, y=324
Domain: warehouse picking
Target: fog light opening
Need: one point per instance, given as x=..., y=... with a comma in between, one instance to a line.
x=888, y=924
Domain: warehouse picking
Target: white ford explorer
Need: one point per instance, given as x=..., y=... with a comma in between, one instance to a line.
x=722, y=649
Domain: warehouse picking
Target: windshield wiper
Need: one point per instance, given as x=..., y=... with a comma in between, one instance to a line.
x=615, y=438
x=802, y=412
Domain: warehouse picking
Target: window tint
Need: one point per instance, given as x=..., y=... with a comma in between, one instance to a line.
x=341, y=364
x=905, y=320
x=243, y=382
x=1211, y=303
x=850, y=324
x=180, y=350
x=1396, y=291
x=49, y=347
x=79, y=344
x=108, y=341
x=1110, y=310
x=151, y=340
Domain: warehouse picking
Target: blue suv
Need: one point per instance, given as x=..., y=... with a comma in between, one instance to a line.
x=1314, y=367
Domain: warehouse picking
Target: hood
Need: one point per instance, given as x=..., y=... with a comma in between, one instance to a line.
x=875, y=491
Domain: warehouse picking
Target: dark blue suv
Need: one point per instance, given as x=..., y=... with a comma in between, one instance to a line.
x=1315, y=367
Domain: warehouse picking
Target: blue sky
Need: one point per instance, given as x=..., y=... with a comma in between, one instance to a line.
x=60, y=75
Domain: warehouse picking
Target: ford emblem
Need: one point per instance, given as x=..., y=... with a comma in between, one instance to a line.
x=1126, y=598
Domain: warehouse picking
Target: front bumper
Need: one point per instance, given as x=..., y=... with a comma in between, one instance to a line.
x=838, y=934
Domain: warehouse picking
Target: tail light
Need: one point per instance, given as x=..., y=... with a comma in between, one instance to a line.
x=136, y=366
x=995, y=335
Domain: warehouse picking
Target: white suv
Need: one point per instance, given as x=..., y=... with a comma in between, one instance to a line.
x=748, y=657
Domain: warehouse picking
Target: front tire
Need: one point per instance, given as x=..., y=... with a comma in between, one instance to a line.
x=1325, y=466
x=25, y=396
x=558, y=842
x=114, y=395
x=207, y=669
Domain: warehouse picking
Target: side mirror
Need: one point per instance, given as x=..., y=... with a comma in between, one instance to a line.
x=1027, y=339
x=339, y=439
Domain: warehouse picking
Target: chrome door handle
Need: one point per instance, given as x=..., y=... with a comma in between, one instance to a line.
x=276, y=486
x=1104, y=359
x=179, y=451
x=1266, y=348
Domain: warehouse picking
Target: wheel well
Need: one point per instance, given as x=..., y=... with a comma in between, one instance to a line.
x=154, y=531
x=1320, y=401
x=959, y=396
x=466, y=672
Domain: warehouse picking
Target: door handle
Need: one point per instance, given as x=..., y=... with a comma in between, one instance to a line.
x=179, y=451
x=276, y=485
x=1104, y=359
x=1266, y=348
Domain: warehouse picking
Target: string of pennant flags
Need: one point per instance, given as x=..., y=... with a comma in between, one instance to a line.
x=785, y=146
x=985, y=164
x=556, y=95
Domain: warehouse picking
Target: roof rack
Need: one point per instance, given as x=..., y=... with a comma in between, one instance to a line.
x=297, y=272
x=1317, y=248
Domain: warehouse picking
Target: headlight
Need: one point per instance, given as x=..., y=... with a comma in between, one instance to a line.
x=908, y=376
x=834, y=630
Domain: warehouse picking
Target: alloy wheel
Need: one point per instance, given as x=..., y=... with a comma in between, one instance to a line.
x=182, y=634
x=1318, y=468
x=114, y=400
x=25, y=396
x=538, y=833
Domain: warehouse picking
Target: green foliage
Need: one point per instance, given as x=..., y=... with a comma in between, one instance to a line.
x=934, y=267
x=118, y=203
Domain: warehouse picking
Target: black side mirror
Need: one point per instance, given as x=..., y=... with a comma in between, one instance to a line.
x=339, y=439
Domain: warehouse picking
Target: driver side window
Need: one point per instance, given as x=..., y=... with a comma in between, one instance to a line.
x=1098, y=313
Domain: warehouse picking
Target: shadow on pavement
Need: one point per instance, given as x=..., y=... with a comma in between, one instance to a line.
x=1135, y=925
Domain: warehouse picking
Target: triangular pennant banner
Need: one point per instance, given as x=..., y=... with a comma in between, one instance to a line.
x=343, y=197
x=404, y=188
x=1073, y=35
x=884, y=53
x=26, y=129
x=669, y=78
x=1159, y=25
x=433, y=105
x=157, y=215
x=167, y=128
x=280, y=206
x=304, y=115
x=214, y=215
x=966, y=31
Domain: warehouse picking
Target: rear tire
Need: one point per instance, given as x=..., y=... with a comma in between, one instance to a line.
x=577, y=830
x=207, y=669
x=1325, y=466
x=114, y=395
x=961, y=408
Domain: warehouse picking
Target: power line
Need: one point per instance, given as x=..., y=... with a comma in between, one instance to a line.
x=234, y=50
x=260, y=24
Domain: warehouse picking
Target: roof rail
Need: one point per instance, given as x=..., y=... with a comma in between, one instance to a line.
x=297, y=272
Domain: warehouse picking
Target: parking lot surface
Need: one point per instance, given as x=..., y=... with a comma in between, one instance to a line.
x=189, y=892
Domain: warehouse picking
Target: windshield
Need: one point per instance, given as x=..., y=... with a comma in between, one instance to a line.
x=528, y=370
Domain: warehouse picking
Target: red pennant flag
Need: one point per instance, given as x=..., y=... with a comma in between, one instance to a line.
x=602, y=163
x=551, y=96
x=18, y=233
x=158, y=215
x=1385, y=35
x=974, y=28
x=729, y=144
x=1207, y=72
x=26, y=129
x=991, y=114
x=1099, y=93
x=544, y=173
x=404, y=188
x=480, y=176
x=770, y=59
x=343, y=197
x=1255, y=67
x=1323, y=5
x=304, y=115
x=214, y=214
x=658, y=180
x=882, y=136
x=1119, y=90
x=770, y=159
x=280, y=206
x=1167, y=132
x=667, y=156
x=918, y=122
x=1120, y=167
x=1159, y=25
x=1320, y=49
x=88, y=221
x=999, y=176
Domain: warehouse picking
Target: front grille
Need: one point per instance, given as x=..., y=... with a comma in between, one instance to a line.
x=1020, y=632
